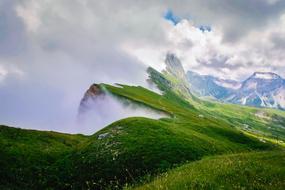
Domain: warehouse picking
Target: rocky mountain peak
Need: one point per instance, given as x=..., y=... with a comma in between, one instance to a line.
x=261, y=89
x=174, y=66
x=94, y=91
x=265, y=76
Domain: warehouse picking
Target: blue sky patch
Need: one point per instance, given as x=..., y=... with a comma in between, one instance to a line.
x=171, y=17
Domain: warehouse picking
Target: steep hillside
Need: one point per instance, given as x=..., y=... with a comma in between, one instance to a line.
x=27, y=156
x=238, y=171
x=126, y=150
x=130, y=149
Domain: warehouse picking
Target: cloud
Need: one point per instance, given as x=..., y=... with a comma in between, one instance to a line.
x=64, y=48
x=12, y=31
x=52, y=50
x=206, y=51
x=98, y=115
x=3, y=73
x=234, y=18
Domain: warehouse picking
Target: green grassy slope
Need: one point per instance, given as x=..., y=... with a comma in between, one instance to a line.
x=26, y=156
x=264, y=122
x=136, y=147
x=263, y=170
x=127, y=150
x=260, y=121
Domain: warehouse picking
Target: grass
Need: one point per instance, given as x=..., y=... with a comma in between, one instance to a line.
x=136, y=147
x=26, y=156
x=130, y=149
x=256, y=170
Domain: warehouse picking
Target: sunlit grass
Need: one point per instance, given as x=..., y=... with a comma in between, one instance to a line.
x=258, y=170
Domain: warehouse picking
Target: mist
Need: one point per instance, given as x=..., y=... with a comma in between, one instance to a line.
x=106, y=109
x=52, y=51
x=45, y=68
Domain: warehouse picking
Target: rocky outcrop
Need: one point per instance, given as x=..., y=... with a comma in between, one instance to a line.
x=174, y=66
x=262, y=89
x=94, y=92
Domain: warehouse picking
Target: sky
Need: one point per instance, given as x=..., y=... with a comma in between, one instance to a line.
x=51, y=51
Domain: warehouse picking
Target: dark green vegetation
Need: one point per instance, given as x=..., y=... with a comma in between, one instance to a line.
x=27, y=156
x=132, y=148
x=263, y=170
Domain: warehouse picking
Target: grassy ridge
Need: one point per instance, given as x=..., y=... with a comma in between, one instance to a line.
x=126, y=150
x=265, y=122
x=26, y=156
x=136, y=147
x=260, y=121
x=257, y=170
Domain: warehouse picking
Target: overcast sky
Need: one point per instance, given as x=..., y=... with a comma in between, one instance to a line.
x=52, y=50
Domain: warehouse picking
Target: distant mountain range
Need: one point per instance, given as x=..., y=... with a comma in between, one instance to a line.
x=261, y=89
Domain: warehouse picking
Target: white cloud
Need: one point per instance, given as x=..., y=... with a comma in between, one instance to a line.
x=207, y=53
x=67, y=46
x=98, y=115
x=7, y=70
x=3, y=73
x=29, y=14
x=62, y=46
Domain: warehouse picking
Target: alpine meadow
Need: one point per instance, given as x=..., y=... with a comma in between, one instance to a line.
x=142, y=95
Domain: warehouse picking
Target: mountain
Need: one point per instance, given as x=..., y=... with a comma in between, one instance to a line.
x=94, y=92
x=209, y=86
x=175, y=74
x=180, y=151
x=174, y=66
x=262, y=89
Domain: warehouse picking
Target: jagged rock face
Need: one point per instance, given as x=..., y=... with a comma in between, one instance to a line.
x=206, y=85
x=262, y=82
x=262, y=89
x=178, y=79
x=94, y=92
x=174, y=66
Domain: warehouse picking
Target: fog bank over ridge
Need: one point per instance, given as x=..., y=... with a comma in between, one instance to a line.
x=106, y=109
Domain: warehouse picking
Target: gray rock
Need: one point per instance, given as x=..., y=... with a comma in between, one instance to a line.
x=103, y=135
